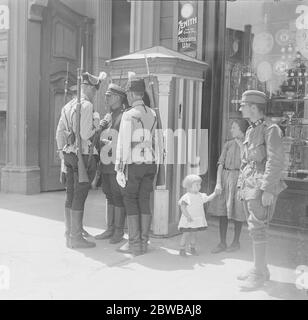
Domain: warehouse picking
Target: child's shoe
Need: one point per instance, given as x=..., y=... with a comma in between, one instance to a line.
x=193, y=251
x=183, y=253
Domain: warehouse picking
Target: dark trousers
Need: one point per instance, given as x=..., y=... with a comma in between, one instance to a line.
x=136, y=194
x=76, y=193
x=112, y=189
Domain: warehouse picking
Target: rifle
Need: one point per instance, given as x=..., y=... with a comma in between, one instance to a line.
x=82, y=171
x=62, y=173
x=66, y=84
x=160, y=181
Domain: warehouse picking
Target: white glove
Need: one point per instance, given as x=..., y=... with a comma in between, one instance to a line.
x=121, y=179
x=102, y=76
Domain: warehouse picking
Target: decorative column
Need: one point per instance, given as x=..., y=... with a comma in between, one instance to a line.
x=160, y=224
x=22, y=173
x=145, y=25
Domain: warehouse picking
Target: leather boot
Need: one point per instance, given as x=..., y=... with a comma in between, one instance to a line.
x=67, y=223
x=145, y=230
x=76, y=238
x=119, y=221
x=110, y=224
x=259, y=274
x=134, y=244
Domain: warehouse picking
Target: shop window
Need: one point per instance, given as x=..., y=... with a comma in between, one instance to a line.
x=120, y=28
x=267, y=49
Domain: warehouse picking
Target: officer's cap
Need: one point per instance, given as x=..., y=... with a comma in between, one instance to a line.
x=92, y=80
x=254, y=96
x=136, y=85
x=114, y=89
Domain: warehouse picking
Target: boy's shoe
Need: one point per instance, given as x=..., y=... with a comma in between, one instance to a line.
x=220, y=248
x=194, y=252
x=183, y=253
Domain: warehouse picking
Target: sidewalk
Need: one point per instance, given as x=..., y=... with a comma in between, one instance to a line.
x=41, y=267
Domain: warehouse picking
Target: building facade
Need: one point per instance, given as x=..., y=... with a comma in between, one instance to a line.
x=246, y=44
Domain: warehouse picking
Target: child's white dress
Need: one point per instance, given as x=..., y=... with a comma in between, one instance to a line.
x=195, y=208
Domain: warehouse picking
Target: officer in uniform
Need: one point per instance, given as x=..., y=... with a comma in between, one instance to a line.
x=260, y=180
x=136, y=165
x=116, y=101
x=76, y=193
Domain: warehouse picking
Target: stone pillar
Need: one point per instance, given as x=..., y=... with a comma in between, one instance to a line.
x=22, y=173
x=160, y=225
x=145, y=24
x=101, y=12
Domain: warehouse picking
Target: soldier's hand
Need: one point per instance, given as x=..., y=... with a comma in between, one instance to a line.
x=121, y=179
x=267, y=199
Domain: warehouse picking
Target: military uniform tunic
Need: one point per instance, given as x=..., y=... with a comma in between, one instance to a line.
x=136, y=156
x=76, y=193
x=261, y=170
x=110, y=186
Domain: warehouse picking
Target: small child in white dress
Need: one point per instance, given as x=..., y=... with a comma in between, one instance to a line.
x=193, y=217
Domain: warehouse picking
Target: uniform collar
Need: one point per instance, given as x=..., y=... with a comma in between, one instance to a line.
x=84, y=96
x=137, y=103
x=257, y=123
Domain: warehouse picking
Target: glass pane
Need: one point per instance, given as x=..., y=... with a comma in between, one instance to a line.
x=267, y=50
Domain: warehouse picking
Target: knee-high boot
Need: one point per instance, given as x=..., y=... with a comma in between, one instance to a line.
x=76, y=239
x=110, y=224
x=119, y=221
x=145, y=230
x=259, y=274
x=134, y=240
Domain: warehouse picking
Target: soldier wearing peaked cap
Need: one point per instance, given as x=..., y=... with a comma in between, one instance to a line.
x=136, y=165
x=260, y=180
x=116, y=101
x=76, y=192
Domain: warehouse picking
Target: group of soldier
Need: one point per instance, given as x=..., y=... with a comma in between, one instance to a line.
x=127, y=166
x=128, y=179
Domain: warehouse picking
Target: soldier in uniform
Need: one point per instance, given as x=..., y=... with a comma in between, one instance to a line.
x=117, y=102
x=260, y=180
x=76, y=193
x=136, y=165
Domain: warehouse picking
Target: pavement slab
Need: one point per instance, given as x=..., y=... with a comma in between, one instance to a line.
x=32, y=246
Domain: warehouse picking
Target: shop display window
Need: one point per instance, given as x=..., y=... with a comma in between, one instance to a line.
x=267, y=50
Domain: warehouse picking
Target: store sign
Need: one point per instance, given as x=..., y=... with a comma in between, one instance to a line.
x=187, y=28
x=4, y=17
